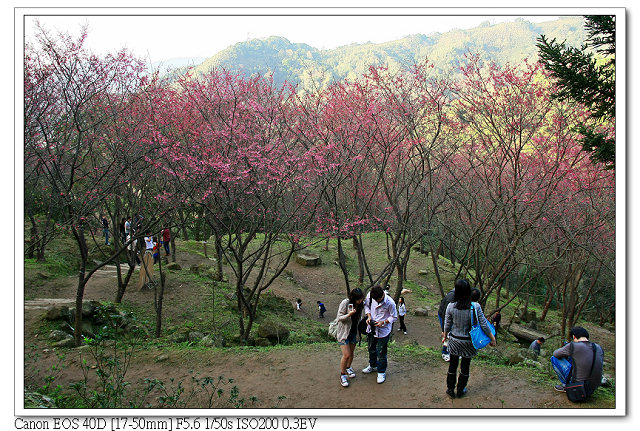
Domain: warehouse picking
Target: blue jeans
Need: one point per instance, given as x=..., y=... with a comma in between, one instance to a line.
x=106, y=236
x=378, y=352
x=562, y=367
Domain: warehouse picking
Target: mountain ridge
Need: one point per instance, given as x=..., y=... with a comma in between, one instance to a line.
x=302, y=64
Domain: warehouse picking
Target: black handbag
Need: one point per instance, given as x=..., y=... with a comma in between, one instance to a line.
x=579, y=391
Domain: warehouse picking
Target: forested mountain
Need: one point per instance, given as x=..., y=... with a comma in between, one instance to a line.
x=296, y=62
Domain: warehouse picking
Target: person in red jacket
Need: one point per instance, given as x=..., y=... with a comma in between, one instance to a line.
x=166, y=238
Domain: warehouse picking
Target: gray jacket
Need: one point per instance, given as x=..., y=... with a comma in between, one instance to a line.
x=458, y=322
x=344, y=320
x=583, y=357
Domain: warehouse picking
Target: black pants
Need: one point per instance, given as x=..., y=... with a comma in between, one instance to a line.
x=402, y=325
x=464, y=365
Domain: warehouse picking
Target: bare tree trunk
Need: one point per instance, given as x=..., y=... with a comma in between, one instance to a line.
x=82, y=281
x=34, y=238
x=452, y=250
x=547, y=303
x=183, y=225
x=388, y=249
x=563, y=322
x=122, y=284
x=343, y=265
x=159, y=297
x=173, y=248
x=219, y=256
x=357, y=243
x=434, y=260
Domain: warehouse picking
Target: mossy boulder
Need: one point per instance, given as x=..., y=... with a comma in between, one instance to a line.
x=308, y=258
x=173, y=266
x=275, y=332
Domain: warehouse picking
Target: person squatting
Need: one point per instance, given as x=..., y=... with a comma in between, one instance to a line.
x=372, y=315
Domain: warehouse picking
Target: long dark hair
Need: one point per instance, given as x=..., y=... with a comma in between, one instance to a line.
x=462, y=294
x=354, y=296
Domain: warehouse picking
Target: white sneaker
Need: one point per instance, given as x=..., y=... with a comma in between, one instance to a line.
x=446, y=357
x=382, y=377
x=343, y=380
x=351, y=373
x=369, y=369
x=405, y=332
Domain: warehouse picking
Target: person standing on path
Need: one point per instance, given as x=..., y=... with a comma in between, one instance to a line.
x=127, y=228
x=457, y=325
x=402, y=311
x=105, y=229
x=381, y=313
x=166, y=238
x=123, y=234
x=349, y=314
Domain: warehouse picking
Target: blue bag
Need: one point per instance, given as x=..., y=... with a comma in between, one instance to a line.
x=478, y=337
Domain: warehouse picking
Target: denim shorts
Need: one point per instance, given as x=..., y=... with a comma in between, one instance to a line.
x=348, y=340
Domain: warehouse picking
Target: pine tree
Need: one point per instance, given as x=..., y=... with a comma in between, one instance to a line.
x=585, y=78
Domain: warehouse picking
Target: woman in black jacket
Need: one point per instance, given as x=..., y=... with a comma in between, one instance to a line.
x=457, y=325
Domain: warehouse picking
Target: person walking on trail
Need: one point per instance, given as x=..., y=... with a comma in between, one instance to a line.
x=448, y=298
x=299, y=304
x=381, y=313
x=123, y=234
x=402, y=311
x=105, y=229
x=579, y=361
x=127, y=228
x=321, y=310
x=457, y=325
x=349, y=314
x=495, y=319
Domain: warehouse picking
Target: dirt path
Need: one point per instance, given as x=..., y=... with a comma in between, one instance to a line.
x=306, y=375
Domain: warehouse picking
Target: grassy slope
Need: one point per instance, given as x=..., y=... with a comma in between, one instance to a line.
x=223, y=324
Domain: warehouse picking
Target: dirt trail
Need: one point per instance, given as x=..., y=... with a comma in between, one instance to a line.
x=306, y=375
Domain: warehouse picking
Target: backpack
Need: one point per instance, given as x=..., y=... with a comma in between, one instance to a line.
x=362, y=326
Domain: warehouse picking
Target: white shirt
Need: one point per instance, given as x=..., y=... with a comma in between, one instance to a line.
x=402, y=309
x=384, y=310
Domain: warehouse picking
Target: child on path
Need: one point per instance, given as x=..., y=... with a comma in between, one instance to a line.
x=321, y=310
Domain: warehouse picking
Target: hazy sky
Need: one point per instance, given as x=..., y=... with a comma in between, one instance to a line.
x=157, y=38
